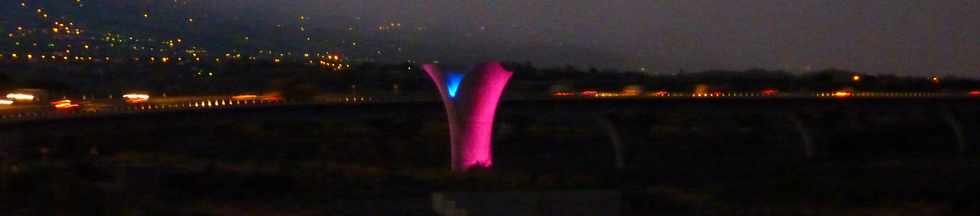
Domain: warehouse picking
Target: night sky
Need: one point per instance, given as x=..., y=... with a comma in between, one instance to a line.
x=909, y=37
x=913, y=37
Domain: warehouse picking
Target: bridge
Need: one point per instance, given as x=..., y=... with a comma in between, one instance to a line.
x=107, y=107
x=470, y=105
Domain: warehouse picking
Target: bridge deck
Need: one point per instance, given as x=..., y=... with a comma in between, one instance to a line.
x=21, y=114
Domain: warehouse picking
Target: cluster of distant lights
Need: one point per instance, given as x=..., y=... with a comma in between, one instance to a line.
x=165, y=47
x=57, y=27
x=331, y=62
x=389, y=26
x=150, y=45
x=326, y=60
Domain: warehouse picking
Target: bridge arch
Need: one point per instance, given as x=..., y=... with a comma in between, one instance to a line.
x=607, y=122
x=952, y=120
x=807, y=143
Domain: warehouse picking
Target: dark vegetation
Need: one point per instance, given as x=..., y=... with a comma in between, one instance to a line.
x=682, y=159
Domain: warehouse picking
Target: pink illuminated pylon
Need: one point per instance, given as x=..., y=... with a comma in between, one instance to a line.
x=471, y=103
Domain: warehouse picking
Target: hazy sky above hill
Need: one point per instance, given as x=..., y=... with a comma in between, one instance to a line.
x=913, y=37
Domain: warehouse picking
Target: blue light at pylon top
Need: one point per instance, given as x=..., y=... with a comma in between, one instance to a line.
x=452, y=83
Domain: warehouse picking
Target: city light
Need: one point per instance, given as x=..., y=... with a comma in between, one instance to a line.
x=632, y=90
x=20, y=97
x=136, y=98
x=563, y=94
x=64, y=104
x=244, y=97
x=271, y=98
x=659, y=94
x=610, y=94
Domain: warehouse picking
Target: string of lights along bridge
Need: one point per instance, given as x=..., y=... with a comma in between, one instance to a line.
x=21, y=107
x=765, y=94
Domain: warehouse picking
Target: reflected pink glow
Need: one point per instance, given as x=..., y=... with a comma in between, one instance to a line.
x=471, y=112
